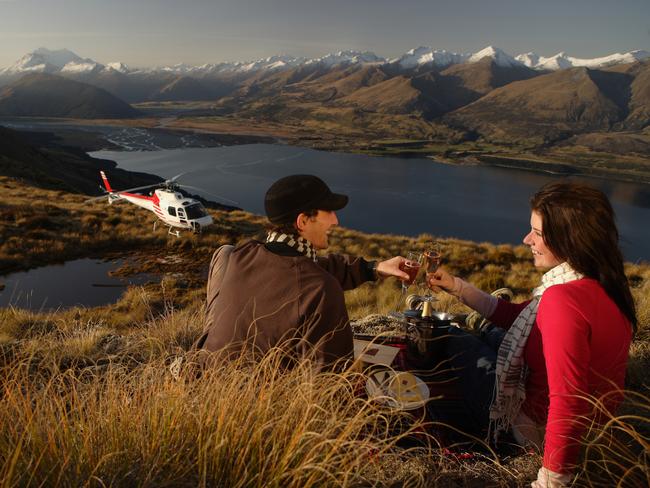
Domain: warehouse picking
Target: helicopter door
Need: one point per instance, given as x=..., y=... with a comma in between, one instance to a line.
x=181, y=215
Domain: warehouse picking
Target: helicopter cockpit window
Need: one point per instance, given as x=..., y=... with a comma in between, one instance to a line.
x=171, y=211
x=196, y=211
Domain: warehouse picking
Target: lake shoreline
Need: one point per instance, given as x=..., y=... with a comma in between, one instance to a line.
x=440, y=151
x=238, y=132
x=555, y=168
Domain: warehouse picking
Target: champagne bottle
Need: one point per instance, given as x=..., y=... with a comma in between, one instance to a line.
x=427, y=309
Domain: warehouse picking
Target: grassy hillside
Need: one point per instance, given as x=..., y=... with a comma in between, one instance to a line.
x=542, y=108
x=42, y=160
x=96, y=396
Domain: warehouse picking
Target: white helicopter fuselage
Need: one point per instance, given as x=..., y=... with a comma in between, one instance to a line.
x=171, y=207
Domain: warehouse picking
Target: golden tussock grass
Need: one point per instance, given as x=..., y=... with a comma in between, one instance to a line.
x=88, y=404
x=616, y=451
x=88, y=397
x=237, y=425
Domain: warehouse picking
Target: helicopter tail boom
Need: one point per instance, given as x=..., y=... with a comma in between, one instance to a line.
x=107, y=185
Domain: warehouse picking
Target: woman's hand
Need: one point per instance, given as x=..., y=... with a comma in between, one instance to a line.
x=549, y=479
x=441, y=280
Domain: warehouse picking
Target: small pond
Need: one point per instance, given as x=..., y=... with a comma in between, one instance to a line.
x=85, y=282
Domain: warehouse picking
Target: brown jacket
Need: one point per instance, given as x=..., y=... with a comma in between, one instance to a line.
x=265, y=299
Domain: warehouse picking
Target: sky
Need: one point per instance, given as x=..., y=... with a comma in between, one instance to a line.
x=143, y=33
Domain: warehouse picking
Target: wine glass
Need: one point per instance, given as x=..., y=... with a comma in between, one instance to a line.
x=432, y=257
x=411, y=267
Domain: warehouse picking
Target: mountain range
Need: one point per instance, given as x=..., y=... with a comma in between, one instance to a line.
x=64, y=61
x=425, y=93
x=561, y=103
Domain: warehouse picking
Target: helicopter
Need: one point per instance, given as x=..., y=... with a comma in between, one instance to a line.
x=175, y=210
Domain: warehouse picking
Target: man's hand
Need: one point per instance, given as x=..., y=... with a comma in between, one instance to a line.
x=390, y=267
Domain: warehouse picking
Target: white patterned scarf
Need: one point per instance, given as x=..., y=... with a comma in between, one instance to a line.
x=300, y=244
x=511, y=372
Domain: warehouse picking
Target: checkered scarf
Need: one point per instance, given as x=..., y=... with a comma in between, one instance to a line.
x=300, y=244
x=511, y=372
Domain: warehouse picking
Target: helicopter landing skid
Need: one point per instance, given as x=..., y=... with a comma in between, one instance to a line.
x=170, y=230
x=176, y=233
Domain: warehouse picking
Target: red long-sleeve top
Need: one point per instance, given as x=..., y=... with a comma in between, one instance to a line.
x=578, y=346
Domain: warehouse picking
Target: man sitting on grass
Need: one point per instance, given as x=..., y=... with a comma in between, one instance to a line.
x=280, y=293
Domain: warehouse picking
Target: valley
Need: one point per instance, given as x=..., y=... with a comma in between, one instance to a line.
x=558, y=114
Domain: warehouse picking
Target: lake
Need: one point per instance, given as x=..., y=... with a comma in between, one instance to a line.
x=406, y=196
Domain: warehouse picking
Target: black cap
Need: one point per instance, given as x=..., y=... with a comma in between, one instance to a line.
x=291, y=195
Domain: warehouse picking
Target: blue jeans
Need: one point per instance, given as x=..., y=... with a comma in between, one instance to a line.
x=472, y=360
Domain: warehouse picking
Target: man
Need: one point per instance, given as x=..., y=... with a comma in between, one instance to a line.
x=279, y=293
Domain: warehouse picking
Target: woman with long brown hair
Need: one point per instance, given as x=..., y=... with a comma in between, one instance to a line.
x=568, y=344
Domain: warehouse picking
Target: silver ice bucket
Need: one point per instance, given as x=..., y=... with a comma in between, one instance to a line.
x=426, y=338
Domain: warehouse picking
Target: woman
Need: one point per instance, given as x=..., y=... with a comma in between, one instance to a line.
x=570, y=341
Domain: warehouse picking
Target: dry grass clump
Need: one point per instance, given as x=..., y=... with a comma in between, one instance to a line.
x=639, y=278
x=617, y=453
x=381, y=297
x=237, y=425
x=89, y=337
x=638, y=366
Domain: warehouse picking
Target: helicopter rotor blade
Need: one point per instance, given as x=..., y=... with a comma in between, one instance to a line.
x=94, y=199
x=223, y=199
x=112, y=195
x=174, y=178
x=140, y=187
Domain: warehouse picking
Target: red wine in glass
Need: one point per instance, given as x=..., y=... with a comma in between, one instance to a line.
x=411, y=268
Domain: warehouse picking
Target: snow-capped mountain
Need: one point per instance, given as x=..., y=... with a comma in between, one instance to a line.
x=528, y=59
x=85, y=66
x=270, y=63
x=45, y=61
x=66, y=62
x=180, y=68
x=497, y=55
x=347, y=57
x=559, y=61
x=423, y=56
x=564, y=61
x=118, y=66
